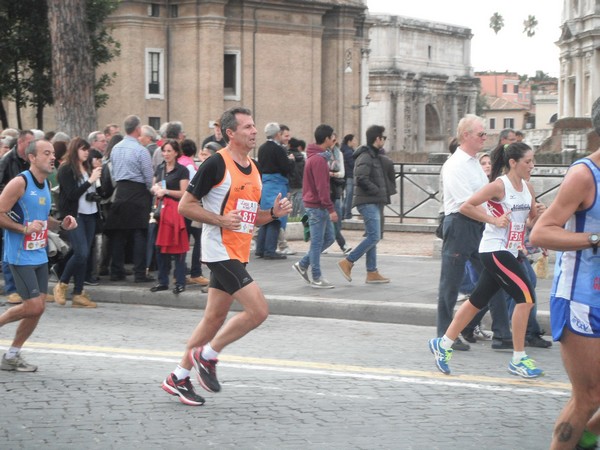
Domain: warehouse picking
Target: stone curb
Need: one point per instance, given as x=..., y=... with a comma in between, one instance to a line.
x=318, y=307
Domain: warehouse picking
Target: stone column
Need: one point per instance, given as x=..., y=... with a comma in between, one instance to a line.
x=421, y=125
x=595, y=76
x=453, y=108
x=579, y=76
x=364, y=91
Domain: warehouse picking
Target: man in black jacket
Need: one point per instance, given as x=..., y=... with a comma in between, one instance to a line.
x=11, y=165
x=275, y=165
x=15, y=162
x=369, y=193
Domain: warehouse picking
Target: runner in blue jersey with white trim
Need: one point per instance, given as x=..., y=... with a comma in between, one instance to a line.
x=572, y=225
x=24, y=214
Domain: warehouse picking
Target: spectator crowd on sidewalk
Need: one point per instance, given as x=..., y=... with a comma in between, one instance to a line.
x=123, y=184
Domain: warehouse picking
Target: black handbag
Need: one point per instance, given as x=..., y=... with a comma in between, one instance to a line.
x=156, y=209
x=157, y=203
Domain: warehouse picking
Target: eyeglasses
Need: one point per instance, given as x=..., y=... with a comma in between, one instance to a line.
x=383, y=137
x=482, y=134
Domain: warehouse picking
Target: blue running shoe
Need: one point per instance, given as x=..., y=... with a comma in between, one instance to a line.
x=442, y=356
x=525, y=368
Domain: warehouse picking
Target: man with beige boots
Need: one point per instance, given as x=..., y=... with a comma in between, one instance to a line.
x=370, y=193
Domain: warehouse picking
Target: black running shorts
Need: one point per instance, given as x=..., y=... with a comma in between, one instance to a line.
x=229, y=276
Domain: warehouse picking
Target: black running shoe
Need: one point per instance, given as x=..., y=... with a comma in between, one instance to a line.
x=183, y=389
x=207, y=370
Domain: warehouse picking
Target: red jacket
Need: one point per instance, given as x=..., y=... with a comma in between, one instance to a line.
x=315, y=184
x=172, y=237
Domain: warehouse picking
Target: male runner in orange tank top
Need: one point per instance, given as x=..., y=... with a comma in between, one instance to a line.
x=229, y=185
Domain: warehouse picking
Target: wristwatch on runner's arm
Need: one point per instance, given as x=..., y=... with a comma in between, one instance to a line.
x=594, y=240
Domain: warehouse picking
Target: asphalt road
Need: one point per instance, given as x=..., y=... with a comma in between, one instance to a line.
x=294, y=383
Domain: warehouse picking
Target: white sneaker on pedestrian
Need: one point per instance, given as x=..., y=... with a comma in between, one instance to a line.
x=287, y=251
x=482, y=335
x=462, y=297
x=302, y=271
x=321, y=283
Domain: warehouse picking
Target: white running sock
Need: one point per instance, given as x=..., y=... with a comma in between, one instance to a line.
x=208, y=352
x=517, y=357
x=181, y=373
x=13, y=352
x=446, y=343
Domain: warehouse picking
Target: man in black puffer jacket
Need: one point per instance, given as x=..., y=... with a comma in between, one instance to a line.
x=370, y=192
x=11, y=165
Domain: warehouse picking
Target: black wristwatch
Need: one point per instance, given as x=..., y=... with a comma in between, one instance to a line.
x=273, y=216
x=594, y=240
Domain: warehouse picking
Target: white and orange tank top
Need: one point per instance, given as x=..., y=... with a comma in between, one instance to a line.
x=235, y=191
x=511, y=238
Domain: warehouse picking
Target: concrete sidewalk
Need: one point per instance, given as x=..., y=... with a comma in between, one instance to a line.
x=411, y=297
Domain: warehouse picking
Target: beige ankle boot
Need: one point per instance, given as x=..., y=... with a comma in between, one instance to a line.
x=83, y=301
x=376, y=278
x=345, y=267
x=60, y=293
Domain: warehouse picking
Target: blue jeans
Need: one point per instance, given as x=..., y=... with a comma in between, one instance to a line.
x=266, y=242
x=349, y=193
x=196, y=233
x=321, y=237
x=337, y=226
x=163, y=260
x=372, y=218
x=150, y=244
x=469, y=280
x=81, y=239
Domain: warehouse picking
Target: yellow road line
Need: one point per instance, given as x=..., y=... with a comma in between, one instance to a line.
x=295, y=364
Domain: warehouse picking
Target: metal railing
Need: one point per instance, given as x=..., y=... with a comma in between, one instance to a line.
x=418, y=199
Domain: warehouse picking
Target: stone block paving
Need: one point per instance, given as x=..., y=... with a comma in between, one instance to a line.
x=294, y=383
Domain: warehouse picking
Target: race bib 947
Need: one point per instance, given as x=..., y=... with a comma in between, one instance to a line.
x=35, y=241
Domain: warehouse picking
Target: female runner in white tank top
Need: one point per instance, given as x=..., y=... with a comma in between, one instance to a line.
x=506, y=206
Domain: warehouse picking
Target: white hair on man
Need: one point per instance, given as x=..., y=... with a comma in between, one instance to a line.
x=272, y=129
x=150, y=132
x=60, y=136
x=37, y=134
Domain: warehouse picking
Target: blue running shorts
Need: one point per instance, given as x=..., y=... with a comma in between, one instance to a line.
x=579, y=318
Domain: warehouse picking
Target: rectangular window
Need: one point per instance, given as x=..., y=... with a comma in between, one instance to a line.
x=173, y=10
x=231, y=75
x=429, y=52
x=492, y=123
x=155, y=73
x=154, y=10
x=154, y=85
x=516, y=88
x=504, y=88
x=154, y=122
x=509, y=123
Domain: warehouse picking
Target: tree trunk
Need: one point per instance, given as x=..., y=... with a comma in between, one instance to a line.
x=39, y=107
x=72, y=67
x=18, y=96
x=3, y=116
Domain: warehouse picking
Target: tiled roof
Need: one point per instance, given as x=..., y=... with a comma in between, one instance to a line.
x=500, y=104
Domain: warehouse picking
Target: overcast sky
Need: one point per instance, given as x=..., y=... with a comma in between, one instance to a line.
x=510, y=49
